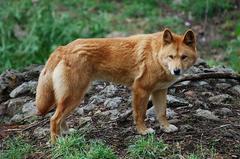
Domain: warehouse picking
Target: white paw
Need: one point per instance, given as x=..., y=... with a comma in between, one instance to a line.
x=170, y=128
x=148, y=131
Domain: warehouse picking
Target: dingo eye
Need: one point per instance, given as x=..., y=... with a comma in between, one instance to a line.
x=170, y=56
x=183, y=57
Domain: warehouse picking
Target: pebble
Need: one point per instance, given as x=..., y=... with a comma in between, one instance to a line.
x=206, y=114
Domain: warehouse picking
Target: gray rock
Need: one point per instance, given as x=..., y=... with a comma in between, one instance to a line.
x=97, y=99
x=206, y=114
x=236, y=89
x=176, y=101
x=40, y=132
x=185, y=128
x=3, y=109
x=113, y=103
x=89, y=107
x=29, y=109
x=224, y=111
x=15, y=105
x=109, y=91
x=223, y=86
x=84, y=120
x=79, y=111
x=151, y=113
x=202, y=83
x=113, y=114
x=220, y=98
x=24, y=88
x=17, y=118
x=185, y=83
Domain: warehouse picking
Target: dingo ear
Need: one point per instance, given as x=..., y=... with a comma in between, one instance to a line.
x=167, y=36
x=189, y=39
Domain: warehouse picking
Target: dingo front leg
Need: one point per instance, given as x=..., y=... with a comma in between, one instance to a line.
x=140, y=100
x=159, y=99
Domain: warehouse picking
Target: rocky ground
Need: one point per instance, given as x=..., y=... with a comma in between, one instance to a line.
x=207, y=113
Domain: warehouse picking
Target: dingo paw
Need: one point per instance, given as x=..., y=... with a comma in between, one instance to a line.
x=147, y=131
x=170, y=128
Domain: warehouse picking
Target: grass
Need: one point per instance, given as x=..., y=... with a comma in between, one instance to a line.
x=16, y=148
x=147, y=147
x=31, y=30
x=75, y=146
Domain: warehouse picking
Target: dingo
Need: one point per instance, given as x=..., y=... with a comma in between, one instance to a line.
x=148, y=63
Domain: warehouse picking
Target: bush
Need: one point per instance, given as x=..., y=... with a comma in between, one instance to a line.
x=198, y=8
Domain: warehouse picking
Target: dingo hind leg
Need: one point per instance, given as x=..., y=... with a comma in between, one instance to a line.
x=69, y=87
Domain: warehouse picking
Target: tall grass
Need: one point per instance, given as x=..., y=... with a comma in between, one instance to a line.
x=31, y=30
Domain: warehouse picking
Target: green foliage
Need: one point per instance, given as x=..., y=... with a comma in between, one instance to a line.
x=72, y=145
x=147, y=147
x=75, y=146
x=16, y=148
x=200, y=8
x=193, y=156
x=99, y=150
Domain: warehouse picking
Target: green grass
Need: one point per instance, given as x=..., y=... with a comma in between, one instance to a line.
x=208, y=7
x=30, y=31
x=16, y=148
x=147, y=147
x=75, y=146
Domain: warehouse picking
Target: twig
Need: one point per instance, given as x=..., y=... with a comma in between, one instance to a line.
x=201, y=76
x=43, y=122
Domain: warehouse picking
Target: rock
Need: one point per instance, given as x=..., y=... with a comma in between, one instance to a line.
x=185, y=83
x=29, y=109
x=223, y=86
x=109, y=91
x=113, y=103
x=208, y=94
x=151, y=113
x=202, y=83
x=206, y=114
x=236, y=90
x=24, y=88
x=89, y=107
x=41, y=132
x=15, y=105
x=176, y=101
x=222, y=98
x=84, y=120
x=3, y=109
x=17, y=118
x=174, y=121
x=97, y=99
x=186, y=128
x=79, y=111
x=114, y=114
x=190, y=93
x=224, y=111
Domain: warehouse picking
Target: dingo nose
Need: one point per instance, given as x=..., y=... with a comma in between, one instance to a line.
x=176, y=71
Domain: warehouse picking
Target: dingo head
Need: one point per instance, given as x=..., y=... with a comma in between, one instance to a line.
x=178, y=52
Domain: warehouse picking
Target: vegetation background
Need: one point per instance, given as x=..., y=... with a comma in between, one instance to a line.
x=31, y=29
